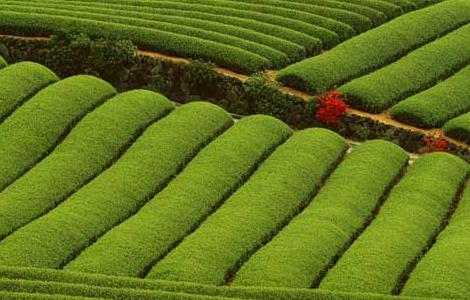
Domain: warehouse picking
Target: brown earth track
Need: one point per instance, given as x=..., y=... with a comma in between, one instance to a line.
x=382, y=117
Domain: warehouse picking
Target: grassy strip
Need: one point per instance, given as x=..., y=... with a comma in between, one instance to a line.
x=343, y=31
x=415, y=72
x=299, y=253
x=458, y=128
x=327, y=37
x=433, y=107
x=131, y=288
x=166, y=42
x=376, y=17
x=37, y=126
x=278, y=50
x=356, y=21
x=411, y=216
x=134, y=246
x=376, y=48
x=168, y=24
x=444, y=271
x=282, y=184
x=117, y=193
x=94, y=144
x=21, y=81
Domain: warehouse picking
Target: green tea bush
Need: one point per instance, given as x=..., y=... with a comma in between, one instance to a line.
x=19, y=82
x=35, y=128
x=282, y=185
x=91, y=146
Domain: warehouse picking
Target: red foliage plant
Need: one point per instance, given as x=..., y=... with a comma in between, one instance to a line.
x=330, y=108
x=435, y=144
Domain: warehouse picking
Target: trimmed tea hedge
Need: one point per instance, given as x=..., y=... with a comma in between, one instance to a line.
x=167, y=42
x=132, y=247
x=36, y=127
x=376, y=48
x=302, y=251
x=95, y=143
x=381, y=257
x=375, y=16
x=274, y=194
x=445, y=270
x=459, y=128
x=21, y=81
x=117, y=193
x=433, y=107
x=125, y=287
x=415, y=72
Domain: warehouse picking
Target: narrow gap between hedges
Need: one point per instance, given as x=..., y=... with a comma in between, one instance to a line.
x=62, y=136
x=401, y=282
x=269, y=236
x=247, y=177
x=147, y=198
x=118, y=155
x=316, y=282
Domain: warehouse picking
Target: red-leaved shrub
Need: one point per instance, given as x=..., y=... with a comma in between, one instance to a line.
x=330, y=108
x=435, y=144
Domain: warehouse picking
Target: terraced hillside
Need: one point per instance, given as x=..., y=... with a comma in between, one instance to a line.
x=127, y=196
x=244, y=35
x=416, y=65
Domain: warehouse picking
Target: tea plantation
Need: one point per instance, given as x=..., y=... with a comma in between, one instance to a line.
x=131, y=191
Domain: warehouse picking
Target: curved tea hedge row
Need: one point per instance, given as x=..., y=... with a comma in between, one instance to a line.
x=376, y=48
x=435, y=106
x=93, y=144
x=3, y=62
x=299, y=254
x=247, y=36
x=225, y=163
x=441, y=273
x=459, y=128
x=405, y=225
x=33, y=130
x=415, y=72
x=146, y=167
x=19, y=82
x=283, y=184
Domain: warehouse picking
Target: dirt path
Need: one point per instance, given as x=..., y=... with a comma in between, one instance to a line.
x=382, y=117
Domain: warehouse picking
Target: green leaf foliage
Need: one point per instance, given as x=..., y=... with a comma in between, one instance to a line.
x=413, y=73
x=210, y=178
x=405, y=225
x=19, y=82
x=34, y=129
x=148, y=165
x=435, y=106
x=299, y=254
x=92, y=145
x=376, y=48
x=275, y=192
